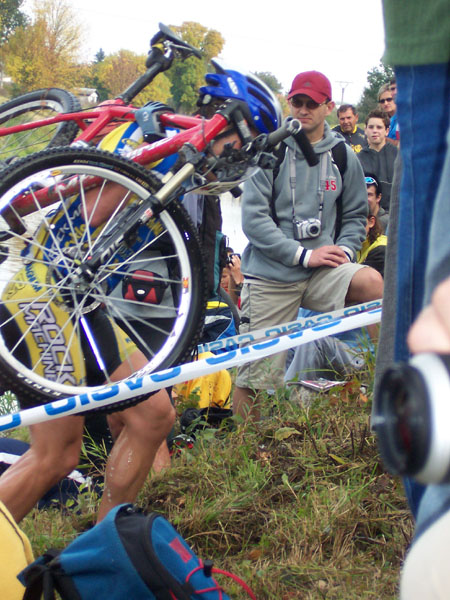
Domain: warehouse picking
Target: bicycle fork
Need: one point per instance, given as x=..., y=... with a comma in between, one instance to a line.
x=131, y=219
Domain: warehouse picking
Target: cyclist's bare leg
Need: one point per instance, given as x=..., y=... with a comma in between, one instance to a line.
x=141, y=431
x=53, y=454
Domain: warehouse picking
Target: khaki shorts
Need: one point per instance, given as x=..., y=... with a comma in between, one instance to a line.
x=269, y=303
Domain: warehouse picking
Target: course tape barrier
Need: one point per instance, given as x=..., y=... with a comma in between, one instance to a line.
x=109, y=395
x=233, y=342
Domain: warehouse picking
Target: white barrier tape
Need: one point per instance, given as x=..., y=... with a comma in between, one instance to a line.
x=232, y=342
x=149, y=383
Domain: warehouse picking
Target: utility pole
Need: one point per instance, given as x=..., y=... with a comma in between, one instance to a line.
x=343, y=85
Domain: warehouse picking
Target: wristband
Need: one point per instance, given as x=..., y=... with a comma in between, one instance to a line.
x=302, y=257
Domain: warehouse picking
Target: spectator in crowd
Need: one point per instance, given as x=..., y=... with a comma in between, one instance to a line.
x=379, y=156
x=386, y=100
x=300, y=252
x=374, y=199
x=393, y=87
x=373, y=250
x=232, y=278
x=353, y=135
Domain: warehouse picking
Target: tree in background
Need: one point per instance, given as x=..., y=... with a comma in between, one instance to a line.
x=270, y=80
x=92, y=79
x=45, y=52
x=376, y=77
x=187, y=76
x=11, y=17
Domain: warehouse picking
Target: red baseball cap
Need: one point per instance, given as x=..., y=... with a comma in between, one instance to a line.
x=312, y=84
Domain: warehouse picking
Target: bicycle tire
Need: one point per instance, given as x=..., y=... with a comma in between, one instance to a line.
x=176, y=247
x=38, y=104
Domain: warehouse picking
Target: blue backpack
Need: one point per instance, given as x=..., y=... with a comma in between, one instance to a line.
x=128, y=555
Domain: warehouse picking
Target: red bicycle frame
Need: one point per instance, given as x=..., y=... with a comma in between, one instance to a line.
x=199, y=134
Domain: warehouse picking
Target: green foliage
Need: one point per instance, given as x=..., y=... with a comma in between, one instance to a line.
x=187, y=76
x=376, y=77
x=270, y=80
x=11, y=17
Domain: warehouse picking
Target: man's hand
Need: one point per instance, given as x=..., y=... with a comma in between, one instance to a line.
x=430, y=332
x=235, y=269
x=327, y=256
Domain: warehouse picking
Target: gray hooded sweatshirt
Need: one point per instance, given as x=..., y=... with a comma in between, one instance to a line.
x=273, y=253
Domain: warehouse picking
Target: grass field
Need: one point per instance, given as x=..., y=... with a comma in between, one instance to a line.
x=298, y=506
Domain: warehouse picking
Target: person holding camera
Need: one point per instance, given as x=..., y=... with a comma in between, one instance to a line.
x=233, y=277
x=304, y=226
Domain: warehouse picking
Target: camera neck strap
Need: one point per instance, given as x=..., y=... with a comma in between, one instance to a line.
x=293, y=179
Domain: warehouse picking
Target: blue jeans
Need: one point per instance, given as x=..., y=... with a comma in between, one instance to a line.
x=423, y=116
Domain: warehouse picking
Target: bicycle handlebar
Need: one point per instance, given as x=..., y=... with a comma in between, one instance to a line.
x=164, y=46
x=293, y=127
x=167, y=35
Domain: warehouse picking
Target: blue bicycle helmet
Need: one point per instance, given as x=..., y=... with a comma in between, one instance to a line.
x=259, y=104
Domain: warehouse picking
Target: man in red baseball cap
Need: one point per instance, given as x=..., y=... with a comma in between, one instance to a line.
x=305, y=226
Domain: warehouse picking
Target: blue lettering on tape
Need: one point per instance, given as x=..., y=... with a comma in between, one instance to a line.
x=273, y=331
x=352, y=310
x=326, y=325
x=268, y=344
x=295, y=335
x=220, y=358
x=246, y=337
x=10, y=421
x=134, y=384
x=217, y=345
x=84, y=399
x=230, y=344
x=374, y=304
x=61, y=406
x=324, y=318
x=157, y=377
x=309, y=323
x=109, y=392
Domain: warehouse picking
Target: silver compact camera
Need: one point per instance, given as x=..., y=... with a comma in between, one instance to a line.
x=307, y=229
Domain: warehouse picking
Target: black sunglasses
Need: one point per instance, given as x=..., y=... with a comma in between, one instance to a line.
x=386, y=100
x=310, y=104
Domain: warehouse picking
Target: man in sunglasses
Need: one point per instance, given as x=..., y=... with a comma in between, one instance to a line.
x=304, y=225
x=386, y=101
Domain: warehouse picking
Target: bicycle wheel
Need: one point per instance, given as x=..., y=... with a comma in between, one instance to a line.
x=62, y=333
x=34, y=106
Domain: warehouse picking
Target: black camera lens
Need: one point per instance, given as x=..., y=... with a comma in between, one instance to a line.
x=402, y=420
x=412, y=418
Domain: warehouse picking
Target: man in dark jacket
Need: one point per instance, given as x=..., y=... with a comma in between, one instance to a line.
x=353, y=135
x=380, y=156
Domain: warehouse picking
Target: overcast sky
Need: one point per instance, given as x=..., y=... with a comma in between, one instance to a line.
x=343, y=39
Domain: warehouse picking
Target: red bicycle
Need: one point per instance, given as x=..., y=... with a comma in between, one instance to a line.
x=87, y=234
